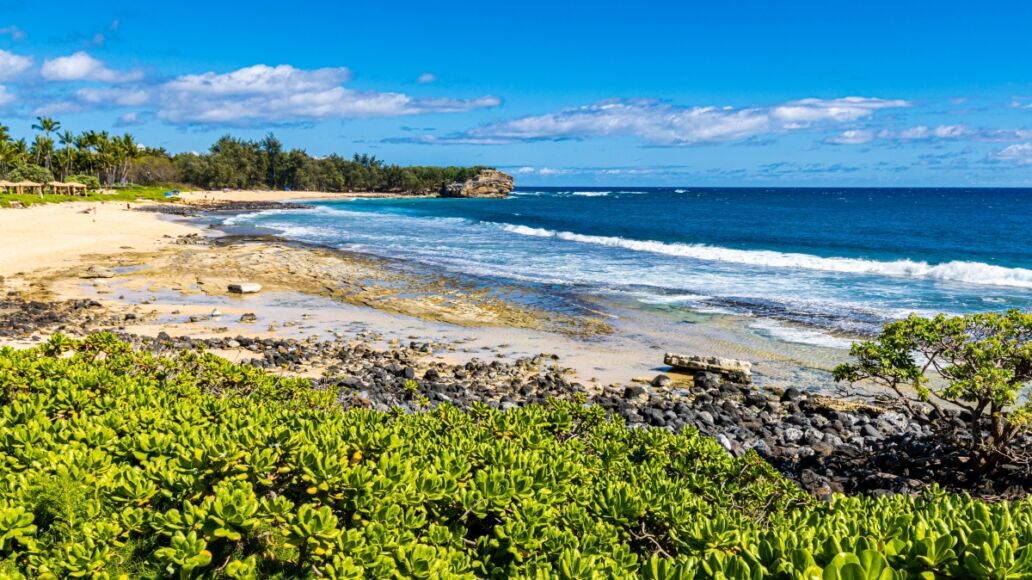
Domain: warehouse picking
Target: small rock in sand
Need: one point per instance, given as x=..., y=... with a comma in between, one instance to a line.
x=248, y=317
x=245, y=288
x=662, y=381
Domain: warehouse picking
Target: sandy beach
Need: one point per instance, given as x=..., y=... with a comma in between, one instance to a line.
x=53, y=236
x=160, y=274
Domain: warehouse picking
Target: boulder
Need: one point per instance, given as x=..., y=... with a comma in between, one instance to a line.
x=736, y=371
x=488, y=183
x=662, y=381
x=245, y=288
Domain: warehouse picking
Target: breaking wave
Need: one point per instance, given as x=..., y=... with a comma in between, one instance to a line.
x=955, y=271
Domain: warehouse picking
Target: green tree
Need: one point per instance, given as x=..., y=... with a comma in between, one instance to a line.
x=47, y=125
x=273, y=150
x=10, y=156
x=978, y=362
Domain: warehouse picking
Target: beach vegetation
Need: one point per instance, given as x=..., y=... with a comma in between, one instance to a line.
x=30, y=172
x=91, y=182
x=125, y=463
x=118, y=161
x=129, y=194
x=980, y=363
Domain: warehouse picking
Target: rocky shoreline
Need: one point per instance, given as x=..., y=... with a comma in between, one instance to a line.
x=825, y=444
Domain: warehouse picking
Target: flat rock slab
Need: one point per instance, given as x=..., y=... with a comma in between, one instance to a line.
x=245, y=288
x=731, y=369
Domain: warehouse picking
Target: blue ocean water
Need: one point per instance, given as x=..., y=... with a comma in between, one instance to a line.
x=841, y=260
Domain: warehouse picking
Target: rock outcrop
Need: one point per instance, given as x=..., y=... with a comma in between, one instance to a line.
x=489, y=183
x=733, y=370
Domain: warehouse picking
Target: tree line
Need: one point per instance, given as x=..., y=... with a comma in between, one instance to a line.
x=230, y=162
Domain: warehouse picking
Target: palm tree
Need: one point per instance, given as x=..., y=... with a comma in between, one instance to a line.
x=128, y=150
x=8, y=155
x=68, y=140
x=42, y=148
x=48, y=126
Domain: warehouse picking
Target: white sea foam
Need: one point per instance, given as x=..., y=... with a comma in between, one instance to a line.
x=591, y=193
x=800, y=335
x=649, y=298
x=956, y=271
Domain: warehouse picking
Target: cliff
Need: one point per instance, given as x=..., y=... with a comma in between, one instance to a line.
x=489, y=183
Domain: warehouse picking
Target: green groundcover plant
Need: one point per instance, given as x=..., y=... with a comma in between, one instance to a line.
x=119, y=463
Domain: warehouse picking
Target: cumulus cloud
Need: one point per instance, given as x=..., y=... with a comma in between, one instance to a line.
x=283, y=93
x=426, y=78
x=13, y=65
x=83, y=67
x=666, y=124
x=1018, y=154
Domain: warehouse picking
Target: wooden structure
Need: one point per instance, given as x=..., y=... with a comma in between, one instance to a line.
x=21, y=187
x=69, y=188
x=6, y=186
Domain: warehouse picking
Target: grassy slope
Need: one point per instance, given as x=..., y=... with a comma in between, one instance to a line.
x=125, y=194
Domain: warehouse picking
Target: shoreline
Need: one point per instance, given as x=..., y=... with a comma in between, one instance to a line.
x=346, y=321
x=167, y=264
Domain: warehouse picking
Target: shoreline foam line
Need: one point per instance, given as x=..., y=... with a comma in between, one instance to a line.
x=976, y=273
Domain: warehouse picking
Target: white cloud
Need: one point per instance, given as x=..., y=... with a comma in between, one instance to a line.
x=12, y=65
x=83, y=67
x=1019, y=154
x=14, y=32
x=851, y=137
x=283, y=93
x=530, y=170
x=1003, y=135
x=260, y=80
x=806, y=111
x=116, y=96
x=662, y=123
x=131, y=119
x=924, y=133
x=426, y=78
x=6, y=98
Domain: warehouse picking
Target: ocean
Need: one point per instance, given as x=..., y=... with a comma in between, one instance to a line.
x=808, y=265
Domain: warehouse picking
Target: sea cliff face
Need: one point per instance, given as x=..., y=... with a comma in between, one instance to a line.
x=489, y=183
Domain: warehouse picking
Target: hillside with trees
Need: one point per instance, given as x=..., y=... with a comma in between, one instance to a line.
x=114, y=160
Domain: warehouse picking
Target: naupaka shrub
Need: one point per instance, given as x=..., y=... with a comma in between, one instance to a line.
x=120, y=463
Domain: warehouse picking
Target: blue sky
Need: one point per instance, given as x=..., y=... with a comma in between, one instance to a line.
x=646, y=93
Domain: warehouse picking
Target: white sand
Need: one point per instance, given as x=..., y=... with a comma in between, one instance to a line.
x=60, y=235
